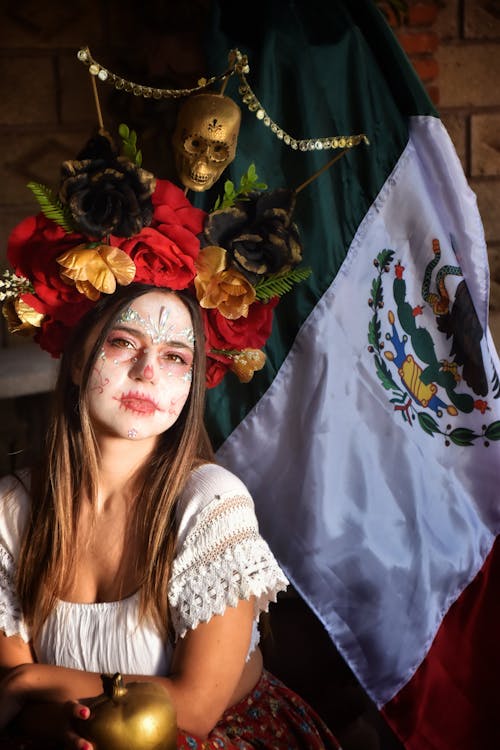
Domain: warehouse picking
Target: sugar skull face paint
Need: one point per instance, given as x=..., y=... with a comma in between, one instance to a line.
x=142, y=377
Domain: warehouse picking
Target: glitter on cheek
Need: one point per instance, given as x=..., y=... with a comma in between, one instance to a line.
x=132, y=433
x=173, y=372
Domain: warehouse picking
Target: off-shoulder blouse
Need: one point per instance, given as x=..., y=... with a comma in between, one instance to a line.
x=220, y=559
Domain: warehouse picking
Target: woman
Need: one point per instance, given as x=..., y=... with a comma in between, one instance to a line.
x=131, y=550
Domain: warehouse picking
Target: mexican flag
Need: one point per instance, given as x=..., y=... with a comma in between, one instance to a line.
x=371, y=440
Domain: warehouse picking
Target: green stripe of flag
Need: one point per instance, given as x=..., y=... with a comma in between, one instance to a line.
x=319, y=69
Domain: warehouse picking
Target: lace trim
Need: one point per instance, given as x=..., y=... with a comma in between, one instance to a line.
x=223, y=560
x=11, y=617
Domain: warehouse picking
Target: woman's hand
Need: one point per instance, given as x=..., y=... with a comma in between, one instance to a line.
x=73, y=740
x=12, y=696
x=62, y=717
x=27, y=701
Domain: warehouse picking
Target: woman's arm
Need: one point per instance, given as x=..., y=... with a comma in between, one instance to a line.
x=209, y=670
x=37, y=699
x=207, y=676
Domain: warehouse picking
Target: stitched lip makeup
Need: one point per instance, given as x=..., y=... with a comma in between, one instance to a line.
x=138, y=403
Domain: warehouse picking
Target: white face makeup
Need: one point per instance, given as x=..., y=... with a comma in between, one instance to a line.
x=142, y=378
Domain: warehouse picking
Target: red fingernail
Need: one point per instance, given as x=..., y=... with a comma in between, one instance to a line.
x=85, y=746
x=84, y=713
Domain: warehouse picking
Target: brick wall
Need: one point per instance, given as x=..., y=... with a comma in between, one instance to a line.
x=469, y=71
x=47, y=109
x=454, y=46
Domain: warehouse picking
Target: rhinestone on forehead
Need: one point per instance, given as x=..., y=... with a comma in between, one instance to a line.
x=160, y=332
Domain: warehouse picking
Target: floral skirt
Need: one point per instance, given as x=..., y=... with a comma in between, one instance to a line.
x=271, y=717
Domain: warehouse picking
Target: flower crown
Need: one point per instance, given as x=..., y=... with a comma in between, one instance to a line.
x=112, y=223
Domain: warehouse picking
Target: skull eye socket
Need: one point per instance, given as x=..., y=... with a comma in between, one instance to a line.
x=195, y=145
x=218, y=151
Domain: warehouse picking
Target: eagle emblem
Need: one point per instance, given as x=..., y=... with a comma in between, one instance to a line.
x=433, y=392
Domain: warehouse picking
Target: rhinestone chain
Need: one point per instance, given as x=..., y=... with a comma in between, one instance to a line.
x=238, y=64
x=147, y=92
x=306, y=144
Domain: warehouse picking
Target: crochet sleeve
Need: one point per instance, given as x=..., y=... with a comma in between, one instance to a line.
x=13, y=509
x=221, y=560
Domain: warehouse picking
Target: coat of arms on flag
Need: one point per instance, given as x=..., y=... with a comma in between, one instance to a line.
x=425, y=386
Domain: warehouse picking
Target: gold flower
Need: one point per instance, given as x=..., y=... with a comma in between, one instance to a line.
x=96, y=269
x=246, y=363
x=20, y=317
x=224, y=288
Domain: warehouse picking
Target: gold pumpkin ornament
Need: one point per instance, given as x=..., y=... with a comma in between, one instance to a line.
x=138, y=716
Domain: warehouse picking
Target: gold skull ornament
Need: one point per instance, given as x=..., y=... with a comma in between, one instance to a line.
x=205, y=139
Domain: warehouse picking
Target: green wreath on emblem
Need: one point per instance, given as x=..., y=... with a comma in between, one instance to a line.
x=418, y=385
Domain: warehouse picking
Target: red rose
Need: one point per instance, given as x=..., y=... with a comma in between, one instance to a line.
x=251, y=332
x=176, y=218
x=32, y=250
x=173, y=211
x=158, y=260
x=215, y=372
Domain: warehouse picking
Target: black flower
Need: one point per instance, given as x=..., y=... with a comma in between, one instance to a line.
x=106, y=193
x=258, y=233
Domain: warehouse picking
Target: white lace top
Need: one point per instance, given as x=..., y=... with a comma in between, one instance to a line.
x=220, y=559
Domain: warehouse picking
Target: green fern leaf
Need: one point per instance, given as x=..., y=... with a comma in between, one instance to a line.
x=129, y=144
x=249, y=183
x=51, y=206
x=280, y=283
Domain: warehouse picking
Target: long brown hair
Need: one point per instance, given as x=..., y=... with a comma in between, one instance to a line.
x=69, y=469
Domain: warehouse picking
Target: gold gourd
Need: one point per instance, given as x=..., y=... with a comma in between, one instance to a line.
x=138, y=716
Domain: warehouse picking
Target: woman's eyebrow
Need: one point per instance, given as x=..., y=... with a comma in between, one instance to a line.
x=179, y=344
x=125, y=329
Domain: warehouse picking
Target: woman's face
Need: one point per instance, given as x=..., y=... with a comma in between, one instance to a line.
x=142, y=377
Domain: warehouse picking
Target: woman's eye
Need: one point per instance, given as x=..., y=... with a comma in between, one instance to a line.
x=174, y=357
x=121, y=343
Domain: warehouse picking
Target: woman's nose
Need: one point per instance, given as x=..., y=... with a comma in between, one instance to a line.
x=144, y=367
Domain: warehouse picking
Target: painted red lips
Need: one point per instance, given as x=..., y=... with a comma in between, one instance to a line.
x=138, y=403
